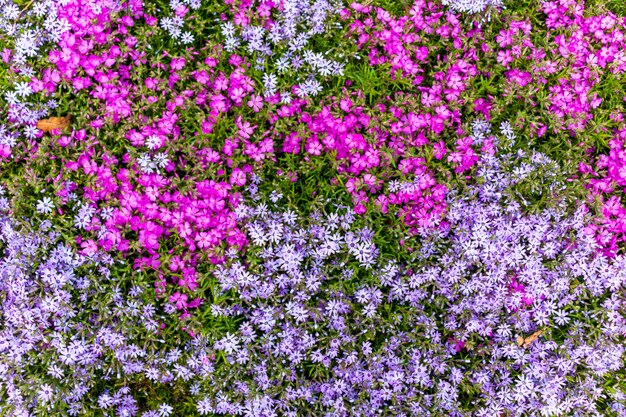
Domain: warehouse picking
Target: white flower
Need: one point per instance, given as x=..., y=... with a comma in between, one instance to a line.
x=23, y=89
x=285, y=98
x=39, y=9
x=45, y=205
x=507, y=130
x=165, y=410
x=146, y=164
x=325, y=68
x=393, y=186
x=282, y=64
x=242, y=211
x=106, y=213
x=204, y=407
x=81, y=222
x=308, y=56
x=10, y=11
x=175, y=33
x=275, y=196
x=153, y=142
x=289, y=217
x=186, y=38
x=313, y=87
x=275, y=36
x=30, y=132
x=86, y=210
x=26, y=43
x=175, y=4
x=228, y=29
x=102, y=232
x=194, y=4
x=230, y=44
x=96, y=7
x=161, y=160
x=301, y=91
x=11, y=97
x=269, y=83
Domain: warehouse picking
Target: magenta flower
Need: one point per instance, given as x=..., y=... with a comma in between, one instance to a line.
x=89, y=247
x=179, y=299
x=256, y=103
x=238, y=177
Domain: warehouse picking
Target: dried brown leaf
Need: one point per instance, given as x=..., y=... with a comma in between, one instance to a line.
x=47, y=125
x=526, y=342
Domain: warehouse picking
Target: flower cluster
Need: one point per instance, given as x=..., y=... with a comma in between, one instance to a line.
x=266, y=208
x=201, y=130
x=553, y=79
x=500, y=305
x=471, y=6
x=72, y=332
x=29, y=29
x=279, y=34
x=24, y=33
x=174, y=25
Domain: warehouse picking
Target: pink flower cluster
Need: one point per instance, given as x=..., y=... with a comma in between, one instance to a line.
x=370, y=154
x=134, y=200
x=139, y=205
x=606, y=183
x=579, y=53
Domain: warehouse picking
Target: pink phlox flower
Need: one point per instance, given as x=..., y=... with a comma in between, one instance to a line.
x=179, y=299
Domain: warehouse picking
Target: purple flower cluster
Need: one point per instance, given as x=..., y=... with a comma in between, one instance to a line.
x=174, y=25
x=74, y=337
x=279, y=34
x=500, y=275
x=500, y=312
x=471, y=6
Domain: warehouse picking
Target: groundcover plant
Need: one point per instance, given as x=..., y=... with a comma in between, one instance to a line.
x=312, y=208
